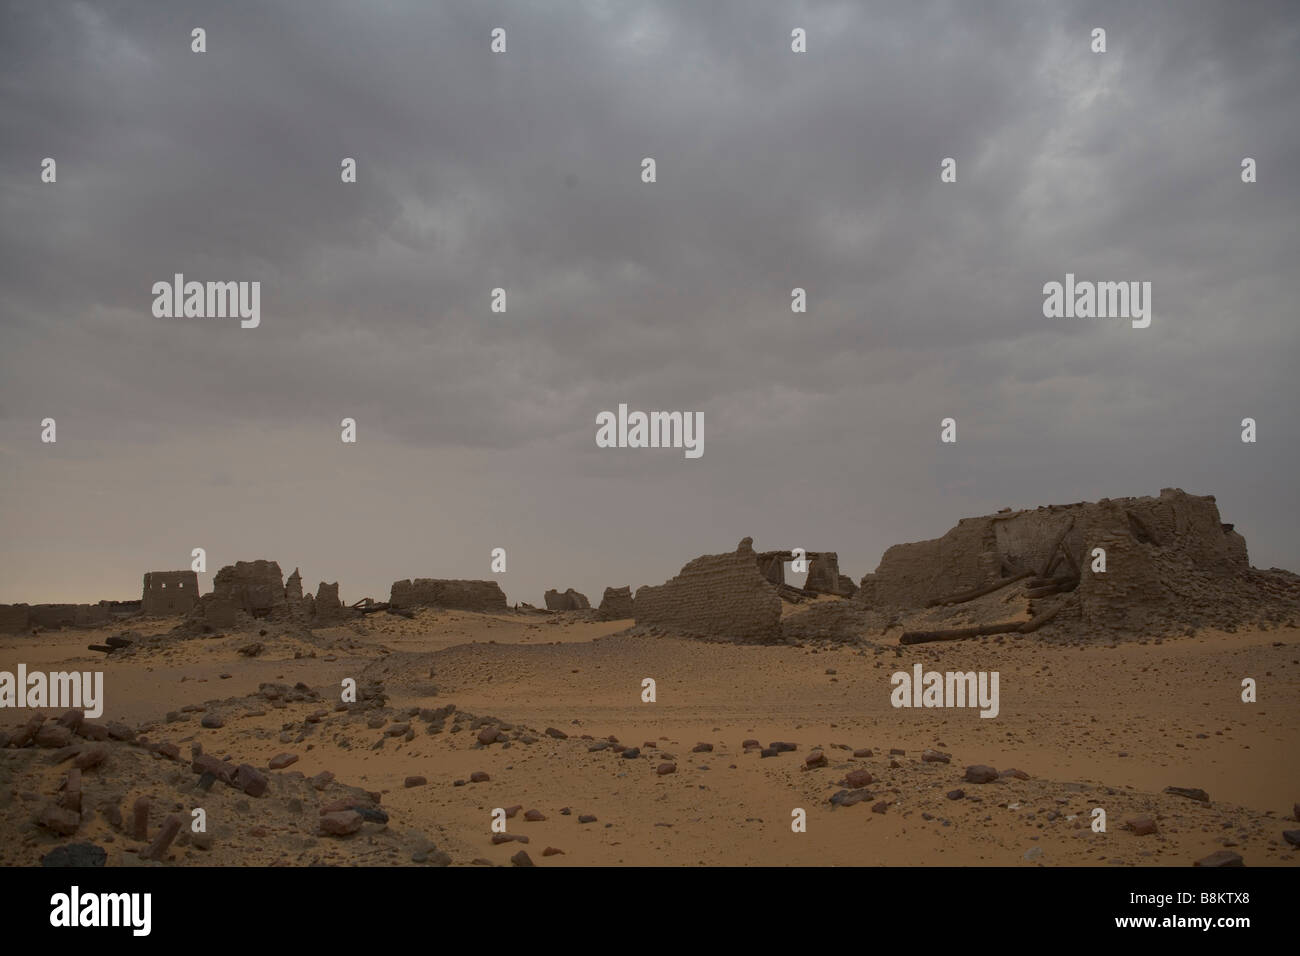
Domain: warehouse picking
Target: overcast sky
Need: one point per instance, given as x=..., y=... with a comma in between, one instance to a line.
x=523, y=170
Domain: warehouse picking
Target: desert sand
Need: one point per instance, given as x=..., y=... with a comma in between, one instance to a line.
x=1086, y=724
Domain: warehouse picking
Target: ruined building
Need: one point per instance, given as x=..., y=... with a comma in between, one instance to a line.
x=718, y=594
x=570, y=600
x=1167, y=560
x=168, y=593
x=1132, y=565
x=435, y=592
x=617, y=604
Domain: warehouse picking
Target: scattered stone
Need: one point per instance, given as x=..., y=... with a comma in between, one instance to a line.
x=1018, y=774
x=341, y=823
x=212, y=721
x=52, y=736
x=71, y=798
x=322, y=779
x=1221, y=858
x=557, y=734
x=631, y=753
x=816, y=759
x=1033, y=853
x=534, y=816
x=586, y=818
x=94, y=756
x=1141, y=826
x=250, y=780
x=666, y=768
x=552, y=851
x=702, y=749
x=253, y=649
x=58, y=819
x=488, y=735
x=862, y=752
x=414, y=781
x=499, y=838
x=171, y=826
x=280, y=761
x=980, y=773
x=956, y=794
x=858, y=778
x=1292, y=837
x=522, y=859
x=478, y=776
x=781, y=746
x=935, y=756
x=880, y=807
x=140, y=819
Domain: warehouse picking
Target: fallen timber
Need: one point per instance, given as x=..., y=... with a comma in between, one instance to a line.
x=977, y=592
x=961, y=633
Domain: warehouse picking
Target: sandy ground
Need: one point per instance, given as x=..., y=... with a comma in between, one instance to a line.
x=1091, y=726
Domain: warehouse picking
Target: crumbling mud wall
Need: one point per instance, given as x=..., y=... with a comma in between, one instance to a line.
x=169, y=592
x=255, y=587
x=722, y=595
x=570, y=600
x=617, y=604
x=328, y=609
x=435, y=592
x=1168, y=560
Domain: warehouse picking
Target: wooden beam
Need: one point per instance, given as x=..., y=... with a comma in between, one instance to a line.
x=978, y=592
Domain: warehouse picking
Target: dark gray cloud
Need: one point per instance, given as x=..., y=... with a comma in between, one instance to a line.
x=522, y=171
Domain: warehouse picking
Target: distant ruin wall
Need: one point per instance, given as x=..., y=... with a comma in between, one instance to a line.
x=570, y=600
x=14, y=618
x=721, y=595
x=467, y=595
x=256, y=587
x=328, y=607
x=169, y=592
x=617, y=604
x=1168, y=558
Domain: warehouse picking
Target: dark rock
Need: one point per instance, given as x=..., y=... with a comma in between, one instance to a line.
x=557, y=734
x=250, y=780
x=93, y=757
x=666, y=768
x=980, y=773
x=414, y=781
x=212, y=721
x=858, y=778
x=1141, y=826
x=522, y=859
x=52, y=736
x=76, y=854
x=702, y=749
x=956, y=794
x=280, y=761
x=934, y=756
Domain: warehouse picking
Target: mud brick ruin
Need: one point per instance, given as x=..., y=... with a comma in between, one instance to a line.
x=570, y=600
x=717, y=594
x=616, y=604
x=1170, y=563
x=169, y=592
x=435, y=592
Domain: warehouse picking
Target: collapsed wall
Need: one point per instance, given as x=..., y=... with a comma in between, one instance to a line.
x=1167, y=560
x=617, y=604
x=168, y=593
x=722, y=595
x=570, y=600
x=435, y=592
